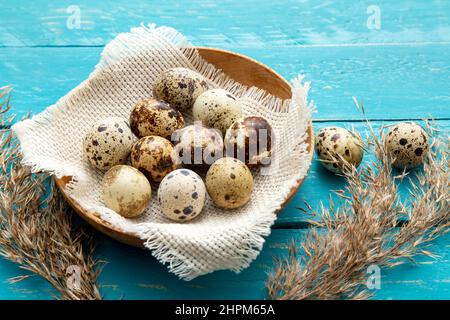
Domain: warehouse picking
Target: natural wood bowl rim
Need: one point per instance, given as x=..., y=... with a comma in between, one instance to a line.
x=132, y=239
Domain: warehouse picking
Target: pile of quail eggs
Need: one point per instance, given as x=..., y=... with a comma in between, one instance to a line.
x=406, y=143
x=156, y=147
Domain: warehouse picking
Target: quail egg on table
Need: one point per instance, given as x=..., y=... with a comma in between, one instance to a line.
x=198, y=146
x=107, y=143
x=182, y=195
x=126, y=190
x=408, y=144
x=154, y=156
x=229, y=183
x=151, y=117
x=179, y=87
x=250, y=140
x=217, y=108
x=333, y=143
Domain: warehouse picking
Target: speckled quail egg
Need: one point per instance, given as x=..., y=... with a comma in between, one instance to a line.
x=333, y=143
x=182, y=195
x=250, y=140
x=179, y=87
x=217, y=108
x=107, y=143
x=154, y=156
x=126, y=190
x=229, y=183
x=198, y=146
x=151, y=117
x=408, y=144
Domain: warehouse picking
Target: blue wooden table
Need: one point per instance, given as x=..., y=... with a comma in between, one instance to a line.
x=394, y=55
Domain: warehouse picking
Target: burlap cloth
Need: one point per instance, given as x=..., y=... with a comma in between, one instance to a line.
x=52, y=141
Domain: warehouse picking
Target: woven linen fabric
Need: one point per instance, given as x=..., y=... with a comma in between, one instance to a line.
x=218, y=239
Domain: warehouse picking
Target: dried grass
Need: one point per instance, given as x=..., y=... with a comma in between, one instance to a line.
x=36, y=230
x=372, y=225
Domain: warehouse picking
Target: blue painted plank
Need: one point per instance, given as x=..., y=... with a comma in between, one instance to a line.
x=227, y=24
x=41, y=75
x=33, y=288
x=132, y=273
x=394, y=82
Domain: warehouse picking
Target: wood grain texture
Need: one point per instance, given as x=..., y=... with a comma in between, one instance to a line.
x=132, y=273
x=408, y=82
x=227, y=24
x=400, y=71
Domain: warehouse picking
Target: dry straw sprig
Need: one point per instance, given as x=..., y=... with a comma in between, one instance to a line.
x=371, y=226
x=36, y=230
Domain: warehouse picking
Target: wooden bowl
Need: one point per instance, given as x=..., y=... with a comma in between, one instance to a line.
x=242, y=69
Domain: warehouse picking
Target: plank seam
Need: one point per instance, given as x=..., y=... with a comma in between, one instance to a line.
x=318, y=45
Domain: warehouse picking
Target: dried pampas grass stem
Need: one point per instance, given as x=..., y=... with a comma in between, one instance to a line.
x=371, y=226
x=36, y=229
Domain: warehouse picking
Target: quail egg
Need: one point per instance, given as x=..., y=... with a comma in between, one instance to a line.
x=217, y=108
x=182, y=195
x=154, y=156
x=126, y=190
x=408, y=144
x=250, y=140
x=107, y=143
x=179, y=87
x=151, y=117
x=229, y=183
x=198, y=146
x=333, y=143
